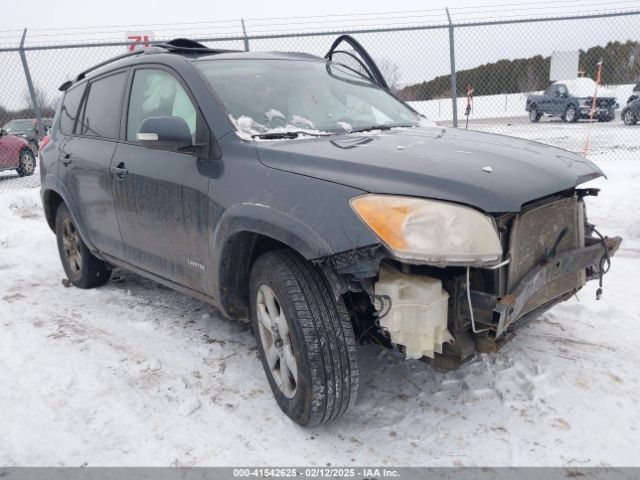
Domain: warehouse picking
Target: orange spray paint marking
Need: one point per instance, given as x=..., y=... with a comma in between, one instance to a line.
x=585, y=152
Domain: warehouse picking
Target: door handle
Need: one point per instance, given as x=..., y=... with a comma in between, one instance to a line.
x=66, y=159
x=120, y=171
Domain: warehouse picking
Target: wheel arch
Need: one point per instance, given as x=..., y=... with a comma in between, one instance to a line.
x=243, y=234
x=51, y=200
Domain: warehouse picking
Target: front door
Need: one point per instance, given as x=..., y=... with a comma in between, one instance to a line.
x=161, y=197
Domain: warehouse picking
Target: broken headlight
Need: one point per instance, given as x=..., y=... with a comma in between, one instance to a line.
x=431, y=231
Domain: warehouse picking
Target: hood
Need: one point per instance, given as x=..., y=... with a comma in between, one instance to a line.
x=494, y=173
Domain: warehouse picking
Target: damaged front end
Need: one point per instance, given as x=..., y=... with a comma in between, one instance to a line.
x=444, y=313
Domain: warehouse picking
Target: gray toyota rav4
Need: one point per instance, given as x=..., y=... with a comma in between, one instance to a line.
x=298, y=192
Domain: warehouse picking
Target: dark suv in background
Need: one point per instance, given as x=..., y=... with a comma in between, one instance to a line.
x=297, y=191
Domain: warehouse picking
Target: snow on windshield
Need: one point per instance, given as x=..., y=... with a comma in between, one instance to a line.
x=280, y=95
x=247, y=128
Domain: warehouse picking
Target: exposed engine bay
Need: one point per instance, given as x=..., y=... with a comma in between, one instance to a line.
x=443, y=315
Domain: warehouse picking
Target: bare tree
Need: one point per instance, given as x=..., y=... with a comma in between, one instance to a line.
x=41, y=97
x=391, y=73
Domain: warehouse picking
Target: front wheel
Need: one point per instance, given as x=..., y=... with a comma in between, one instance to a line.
x=570, y=114
x=26, y=163
x=83, y=269
x=305, y=339
x=629, y=117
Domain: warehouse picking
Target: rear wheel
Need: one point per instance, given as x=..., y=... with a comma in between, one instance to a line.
x=629, y=117
x=83, y=269
x=26, y=163
x=305, y=339
x=534, y=114
x=570, y=114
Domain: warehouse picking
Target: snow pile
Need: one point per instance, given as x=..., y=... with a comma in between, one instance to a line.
x=135, y=374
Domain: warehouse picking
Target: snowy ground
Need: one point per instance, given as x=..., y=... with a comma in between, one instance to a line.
x=607, y=141
x=136, y=374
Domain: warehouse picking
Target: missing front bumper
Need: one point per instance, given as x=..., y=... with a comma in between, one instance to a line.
x=497, y=314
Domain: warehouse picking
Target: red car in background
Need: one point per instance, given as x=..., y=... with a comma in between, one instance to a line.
x=16, y=154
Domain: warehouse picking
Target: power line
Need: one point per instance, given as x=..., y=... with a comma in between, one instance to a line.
x=486, y=9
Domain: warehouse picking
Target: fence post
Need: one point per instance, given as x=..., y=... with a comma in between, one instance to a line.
x=32, y=90
x=454, y=85
x=246, y=38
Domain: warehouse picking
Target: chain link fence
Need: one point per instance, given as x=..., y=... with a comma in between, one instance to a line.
x=500, y=83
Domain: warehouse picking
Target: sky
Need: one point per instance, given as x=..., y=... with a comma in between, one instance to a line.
x=71, y=13
x=418, y=55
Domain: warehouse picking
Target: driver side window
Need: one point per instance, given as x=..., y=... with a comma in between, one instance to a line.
x=156, y=93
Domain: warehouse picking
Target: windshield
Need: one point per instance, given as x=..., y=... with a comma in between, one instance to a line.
x=19, y=125
x=313, y=97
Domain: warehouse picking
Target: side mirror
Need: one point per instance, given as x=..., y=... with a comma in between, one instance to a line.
x=3, y=132
x=165, y=133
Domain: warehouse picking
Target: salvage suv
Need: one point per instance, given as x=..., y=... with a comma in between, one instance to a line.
x=298, y=192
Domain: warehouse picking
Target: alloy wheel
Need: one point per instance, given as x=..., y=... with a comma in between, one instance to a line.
x=570, y=114
x=28, y=163
x=71, y=245
x=629, y=117
x=276, y=341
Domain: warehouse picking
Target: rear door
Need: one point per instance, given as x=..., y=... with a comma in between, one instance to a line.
x=161, y=197
x=86, y=157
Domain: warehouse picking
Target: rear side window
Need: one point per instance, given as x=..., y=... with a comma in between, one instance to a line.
x=69, y=111
x=101, y=117
x=158, y=93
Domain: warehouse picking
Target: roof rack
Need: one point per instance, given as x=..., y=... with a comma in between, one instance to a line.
x=177, y=45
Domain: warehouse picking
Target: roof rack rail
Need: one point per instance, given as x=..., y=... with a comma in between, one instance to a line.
x=177, y=45
x=65, y=86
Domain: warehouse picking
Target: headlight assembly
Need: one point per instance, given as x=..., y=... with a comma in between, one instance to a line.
x=431, y=231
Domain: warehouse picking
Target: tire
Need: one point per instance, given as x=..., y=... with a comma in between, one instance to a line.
x=534, y=114
x=318, y=343
x=26, y=163
x=629, y=118
x=83, y=269
x=570, y=114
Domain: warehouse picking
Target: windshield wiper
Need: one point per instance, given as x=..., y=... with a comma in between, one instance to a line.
x=376, y=127
x=281, y=135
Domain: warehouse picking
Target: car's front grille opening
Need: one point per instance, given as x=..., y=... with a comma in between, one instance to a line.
x=534, y=233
